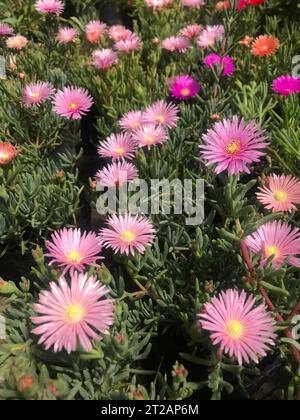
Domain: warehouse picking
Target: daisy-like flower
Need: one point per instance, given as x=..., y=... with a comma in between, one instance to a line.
x=117, y=174
x=130, y=44
x=49, y=6
x=193, y=3
x=17, y=42
x=150, y=135
x=246, y=41
x=119, y=33
x=221, y=5
x=131, y=120
x=265, y=45
x=176, y=43
x=8, y=152
x=241, y=328
x=67, y=35
x=127, y=234
x=70, y=315
x=184, y=87
x=36, y=93
x=118, y=146
x=5, y=29
x=104, y=59
x=72, y=250
x=72, y=102
x=210, y=35
x=278, y=240
x=233, y=145
x=281, y=193
x=226, y=63
x=158, y=4
x=286, y=85
x=191, y=31
x=161, y=113
x=94, y=31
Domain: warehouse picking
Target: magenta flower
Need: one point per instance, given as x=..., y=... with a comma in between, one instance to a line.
x=127, y=234
x=158, y=4
x=67, y=35
x=278, y=240
x=70, y=315
x=17, y=42
x=119, y=33
x=104, y=59
x=36, y=93
x=176, y=43
x=242, y=329
x=281, y=193
x=184, y=87
x=233, y=145
x=49, y=6
x=5, y=29
x=72, y=250
x=193, y=3
x=131, y=120
x=129, y=45
x=118, y=146
x=162, y=113
x=225, y=63
x=191, y=31
x=117, y=174
x=150, y=135
x=72, y=102
x=94, y=31
x=286, y=85
x=210, y=35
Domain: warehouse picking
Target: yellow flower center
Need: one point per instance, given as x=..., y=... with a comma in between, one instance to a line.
x=4, y=157
x=75, y=313
x=73, y=105
x=281, y=196
x=272, y=251
x=128, y=236
x=161, y=118
x=233, y=148
x=35, y=95
x=136, y=124
x=185, y=92
x=120, y=151
x=235, y=329
x=74, y=257
x=150, y=139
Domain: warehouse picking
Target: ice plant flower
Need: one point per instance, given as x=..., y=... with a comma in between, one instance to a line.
x=193, y=3
x=246, y=41
x=118, y=146
x=265, y=45
x=5, y=29
x=131, y=120
x=127, y=234
x=94, y=31
x=176, y=43
x=286, y=85
x=36, y=93
x=226, y=63
x=73, y=250
x=242, y=329
x=119, y=33
x=49, y=6
x=104, y=59
x=17, y=42
x=149, y=135
x=162, y=113
x=210, y=35
x=233, y=145
x=129, y=45
x=69, y=315
x=158, y=4
x=117, y=174
x=281, y=193
x=67, y=35
x=184, y=87
x=72, y=102
x=277, y=240
x=8, y=152
x=191, y=31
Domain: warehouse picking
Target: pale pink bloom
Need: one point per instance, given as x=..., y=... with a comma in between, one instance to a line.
x=158, y=4
x=72, y=102
x=241, y=328
x=5, y=29
x=193, y=3
x=210, y=35
x=73, y=250
x=94, y=31
x=278, y=240
x=17, y=42
x=130, y=44
x=281, y=193
x=49, y=6
x=36, y=93
x=233, y=145
x=131, y=120
x=191, y=31
x=150, y=135
x=72, y=315
x=119, y=33
x=176, y=43
x=127, y=234
x=117, y=174
x=104, y=59
x=162, y=113
x=67, y=35
x=118, y=146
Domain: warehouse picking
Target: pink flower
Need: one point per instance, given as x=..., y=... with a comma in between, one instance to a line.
x=67, y=35
x=150, y=135
x=70, y=315
x=278, y=240
x=281, y=194
x=36, y=93
x=131, y=120
x=162, y=113
x=176, y=43
x=8, y=153
x=193, y=3
x=71, y=249
x=5, y=29
x=127, y=234
x=184, y=87
x=17, y=42
x=49, y=6
x=130, y=44
x=191, y=31
x=94, y=31
x=104, y=59
x=210, y=35
x=226, y=63
x=233, y=145
x=158, y=4
x=119, y=33
x=72, y=102
x=242, y=329
x=118, y=146
x=117, y=174
x=286, y=85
